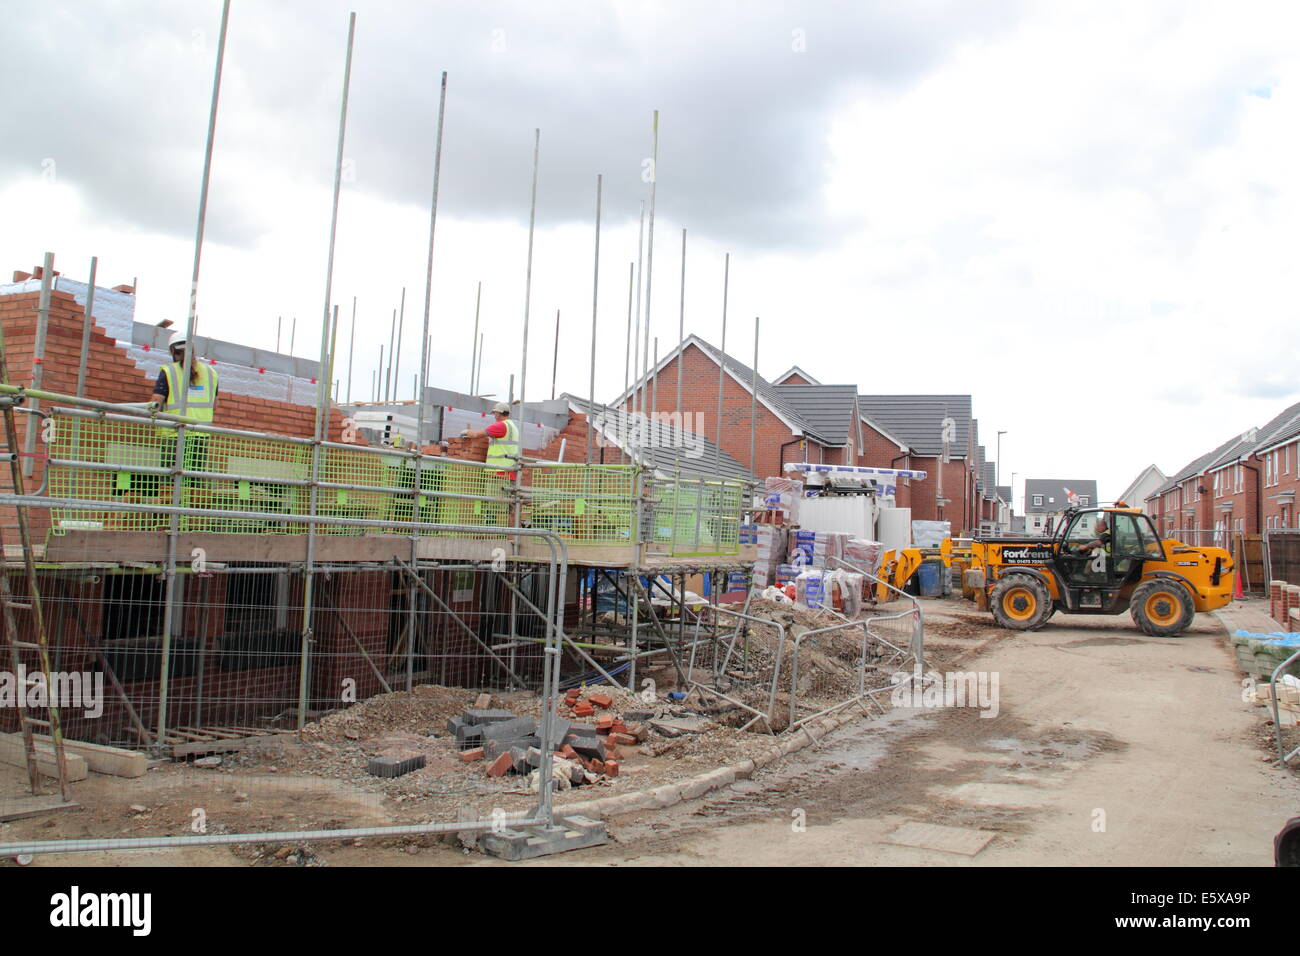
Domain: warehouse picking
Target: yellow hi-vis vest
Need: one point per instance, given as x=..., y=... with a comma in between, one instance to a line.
x=503, y=452
x=201, y=399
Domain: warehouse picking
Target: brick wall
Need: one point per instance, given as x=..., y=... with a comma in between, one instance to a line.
x=1280, y=513
x=111, y=376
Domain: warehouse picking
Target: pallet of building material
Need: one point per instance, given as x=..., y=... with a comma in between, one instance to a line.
x=192, y=741
x=13, y=751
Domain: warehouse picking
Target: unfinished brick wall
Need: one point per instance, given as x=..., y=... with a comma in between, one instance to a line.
x=111, y=376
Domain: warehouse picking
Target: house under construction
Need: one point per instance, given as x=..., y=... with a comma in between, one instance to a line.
x=239, y=578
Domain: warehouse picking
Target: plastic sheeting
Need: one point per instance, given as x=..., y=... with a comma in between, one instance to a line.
x=930, y=534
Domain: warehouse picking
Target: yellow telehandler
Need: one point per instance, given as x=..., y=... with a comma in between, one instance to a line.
x=1162, y=583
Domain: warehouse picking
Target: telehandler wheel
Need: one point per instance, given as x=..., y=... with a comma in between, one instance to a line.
x=1162, y=608
x=1020, y=602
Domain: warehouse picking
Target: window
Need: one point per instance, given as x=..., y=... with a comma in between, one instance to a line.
x=1038, y=501
x=1217, y=492
x=1085, y=500
x=1236, y=478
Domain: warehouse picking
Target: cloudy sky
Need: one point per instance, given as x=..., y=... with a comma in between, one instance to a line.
x=1084, y=214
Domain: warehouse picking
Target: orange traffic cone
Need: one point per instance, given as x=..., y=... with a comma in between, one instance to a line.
x=1236, y=587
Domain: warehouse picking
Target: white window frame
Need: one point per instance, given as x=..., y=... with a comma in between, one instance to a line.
x=1037, y=501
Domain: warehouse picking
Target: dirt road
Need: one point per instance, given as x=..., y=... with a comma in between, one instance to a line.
x=1110, y=748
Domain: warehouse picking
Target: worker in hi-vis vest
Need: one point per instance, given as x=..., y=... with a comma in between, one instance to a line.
x=503, y=453
x=503, y=441
x=199, y=403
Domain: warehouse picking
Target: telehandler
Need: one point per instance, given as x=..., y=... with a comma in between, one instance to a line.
x=1024, y=581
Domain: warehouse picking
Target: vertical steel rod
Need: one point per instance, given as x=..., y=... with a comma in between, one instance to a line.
x=595, y=297
x=528, y=283
x=473, y=352
x=555, y=358
x=397, y=360
x=636, y=331
x=322, y=414
x=753, y=405
x=352, y=345
x=424, y=371
x=722, y=363
x=173, y=590
x=650, y=250
x=85, y=328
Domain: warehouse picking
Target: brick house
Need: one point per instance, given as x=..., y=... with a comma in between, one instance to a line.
x=1046, y=500
x=1243, y=486
x=621, y=436
x=781, y=422
x=915, y=426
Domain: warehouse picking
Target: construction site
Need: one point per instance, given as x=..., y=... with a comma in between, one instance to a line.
x=258, y=614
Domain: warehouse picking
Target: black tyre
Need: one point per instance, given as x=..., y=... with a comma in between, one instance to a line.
x=1020, y=602
x=1162, y=607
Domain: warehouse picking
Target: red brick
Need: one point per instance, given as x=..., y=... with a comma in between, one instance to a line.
x=583, y=709
x=601, y=700
x=501, y=766
x=611, y=768
x=469, y=756
x=624, y=740
x=604, y=722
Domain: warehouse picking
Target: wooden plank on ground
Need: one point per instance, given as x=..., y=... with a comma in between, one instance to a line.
x=19, y=808
x=198, y=747
x=12, y=752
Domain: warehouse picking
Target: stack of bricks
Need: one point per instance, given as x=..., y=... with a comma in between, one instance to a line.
x=1275, y=595
x=1290, y=602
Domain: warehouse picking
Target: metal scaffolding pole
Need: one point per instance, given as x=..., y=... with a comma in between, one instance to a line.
x=174, y=590
x=328, y=331
x=352, y=344
x=650, y=251
x=473, y=352
x=424, y=368
x=595, y=299
x=722, y=363
x=528, y=278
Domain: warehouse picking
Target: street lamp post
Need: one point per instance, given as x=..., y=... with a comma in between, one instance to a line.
x=997, y=478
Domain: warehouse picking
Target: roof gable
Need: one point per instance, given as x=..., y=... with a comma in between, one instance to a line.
x=655, y=444
x=917, y=420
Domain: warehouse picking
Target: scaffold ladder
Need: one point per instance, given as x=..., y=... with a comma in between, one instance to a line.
x=32, y=606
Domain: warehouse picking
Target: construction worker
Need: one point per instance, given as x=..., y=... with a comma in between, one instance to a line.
x=504, y=449
x=503, y=445
x=200, y=403
x=1102, y=531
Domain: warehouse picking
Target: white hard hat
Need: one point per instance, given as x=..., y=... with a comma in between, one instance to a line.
x=178, y=339
x=501, y=408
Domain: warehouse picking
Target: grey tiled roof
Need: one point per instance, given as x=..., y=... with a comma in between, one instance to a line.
x=827, y=409
x=1282, y=427
x=918, y=420
x=658, y=446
